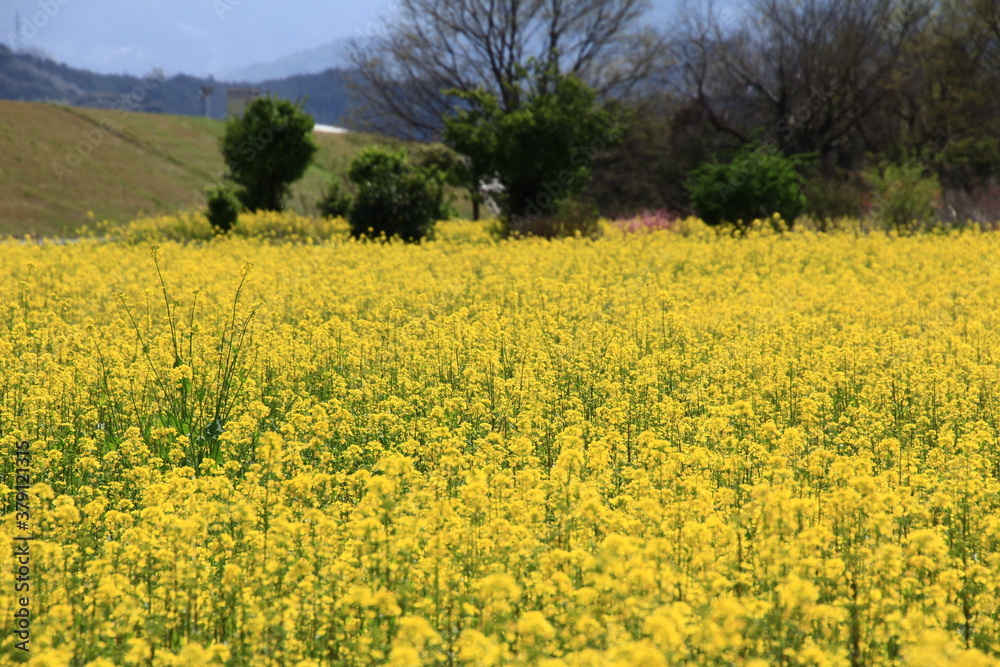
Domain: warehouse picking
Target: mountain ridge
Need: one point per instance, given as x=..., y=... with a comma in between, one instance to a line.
x=307, y=61
x=29, y=77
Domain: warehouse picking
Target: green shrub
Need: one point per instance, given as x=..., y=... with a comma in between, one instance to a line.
x=438, y=157
x=394, y=198
x=335, y=203
x=223, y=208
x=756, y=184
x=903, y=198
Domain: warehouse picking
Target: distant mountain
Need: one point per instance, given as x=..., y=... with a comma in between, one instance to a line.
x=311, y=61
x=34, y=78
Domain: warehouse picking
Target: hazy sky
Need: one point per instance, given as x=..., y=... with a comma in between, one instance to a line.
x=198, y=37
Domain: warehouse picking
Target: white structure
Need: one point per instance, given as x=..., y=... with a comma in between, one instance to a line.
x=487, y=190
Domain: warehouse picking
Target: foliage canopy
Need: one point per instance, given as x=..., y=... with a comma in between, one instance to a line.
x=267, y=149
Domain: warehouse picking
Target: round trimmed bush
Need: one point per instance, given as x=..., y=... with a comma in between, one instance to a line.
x=394, y=198
x=758, y=183
x=223, y=208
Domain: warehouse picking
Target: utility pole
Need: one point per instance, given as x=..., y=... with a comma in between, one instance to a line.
x=206, y=98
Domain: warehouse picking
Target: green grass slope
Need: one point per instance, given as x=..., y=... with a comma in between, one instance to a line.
x=58, y=163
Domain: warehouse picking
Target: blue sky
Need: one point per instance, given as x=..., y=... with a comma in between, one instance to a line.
x=198, y=37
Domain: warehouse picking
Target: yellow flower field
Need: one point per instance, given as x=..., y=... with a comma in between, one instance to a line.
x=649, y=449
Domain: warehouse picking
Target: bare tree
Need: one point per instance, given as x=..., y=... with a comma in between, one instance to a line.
x=814, y=75
x=429, y=46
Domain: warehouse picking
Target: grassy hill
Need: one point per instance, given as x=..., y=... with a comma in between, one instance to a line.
x=151, y=163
